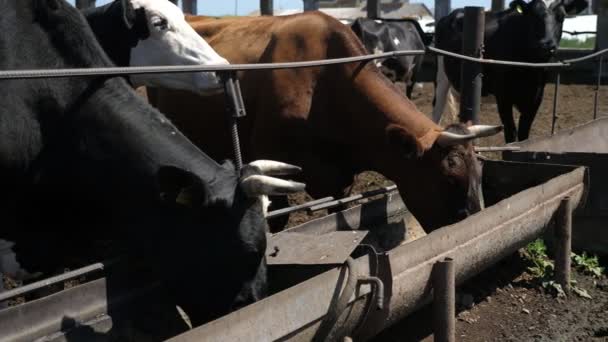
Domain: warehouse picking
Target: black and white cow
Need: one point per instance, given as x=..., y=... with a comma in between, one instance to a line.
x=387, y=35
x=152, y=33
x=86, y=158
x=526, y=32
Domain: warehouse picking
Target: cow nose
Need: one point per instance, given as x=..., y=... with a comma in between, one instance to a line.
x=550, y=46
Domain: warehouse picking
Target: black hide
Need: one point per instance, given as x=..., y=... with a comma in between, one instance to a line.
x=526, y=32
x=84, y=159
x=118, y=28
x=389, y=35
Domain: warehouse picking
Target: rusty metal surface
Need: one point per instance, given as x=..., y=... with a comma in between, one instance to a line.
x=38, y=318
x=474, y=244
x=591, y=137
x=82, y=309
x=306, y=249
x=289, y=210
x=586, y=145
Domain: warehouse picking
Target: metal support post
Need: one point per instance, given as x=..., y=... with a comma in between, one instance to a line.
x=235, y=108
x=311, y=5
x=471, y=73
x=442, y=8
x=555, y=102
x=563, y=243
x=373, y=9
x=266, y=7
x=597, y=87
x=444, y=301
x=189, y=6
x=498, y=5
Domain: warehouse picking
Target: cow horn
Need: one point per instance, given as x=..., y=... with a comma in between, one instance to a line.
x=257, y=185
x=481, y=131
x=447, y=139
x=275, y=168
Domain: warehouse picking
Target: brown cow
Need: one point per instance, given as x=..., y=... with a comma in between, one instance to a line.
x=334, y=121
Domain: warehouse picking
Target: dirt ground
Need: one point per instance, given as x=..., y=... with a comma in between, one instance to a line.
x=504, y=303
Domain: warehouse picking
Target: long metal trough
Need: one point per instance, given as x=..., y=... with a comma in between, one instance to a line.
x=586, y=145
x=521, y=199
x=474, y=244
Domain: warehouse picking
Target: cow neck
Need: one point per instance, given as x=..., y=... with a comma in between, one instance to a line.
x=145, y=139
x=383, y=107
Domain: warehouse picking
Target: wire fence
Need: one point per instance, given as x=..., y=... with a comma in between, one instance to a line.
x=124, y=71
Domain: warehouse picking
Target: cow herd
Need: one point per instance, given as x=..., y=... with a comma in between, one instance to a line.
x=86, y=158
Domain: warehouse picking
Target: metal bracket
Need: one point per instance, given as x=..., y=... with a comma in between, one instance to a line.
x=235, y=108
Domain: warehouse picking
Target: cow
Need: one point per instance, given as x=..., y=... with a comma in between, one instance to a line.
x=526, y=32
x=336, y=121
x=85, y=158
x=152, y=33
x=387, y=35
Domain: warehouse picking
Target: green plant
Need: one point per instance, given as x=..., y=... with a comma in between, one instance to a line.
x=536, y=254
x=587, y=264
x=542, y=268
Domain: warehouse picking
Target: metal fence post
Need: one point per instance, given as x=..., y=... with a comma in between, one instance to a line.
x=373, y=9
x=266, y=7
x=563, y=243
x=442, y=8
x=311, y=5
x=601, y=41
x=189, y=6
x=555, y=102
x=444, y=301
x=470, y=77
x=498, y=5
x=597, y=87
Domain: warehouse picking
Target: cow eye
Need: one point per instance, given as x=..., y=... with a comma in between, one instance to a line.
x=455, y=161
x=159, y=23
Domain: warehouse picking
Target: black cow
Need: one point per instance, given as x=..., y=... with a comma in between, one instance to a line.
x=387, y=35
x=86, y=158
x=526, y=32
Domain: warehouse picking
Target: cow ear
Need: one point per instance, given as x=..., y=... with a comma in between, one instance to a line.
x=128, y=13
x=404, y=143
x=518, y=5
x=180, y=187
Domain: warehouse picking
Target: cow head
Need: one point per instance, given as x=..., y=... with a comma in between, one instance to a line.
x=447, y=177
x=229, y=215
x=156, y=33
x=543, y=24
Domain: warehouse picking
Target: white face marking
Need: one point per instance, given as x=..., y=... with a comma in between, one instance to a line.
x=378, y=51
x=173, y=41
x=396, y=41
x=265, y=204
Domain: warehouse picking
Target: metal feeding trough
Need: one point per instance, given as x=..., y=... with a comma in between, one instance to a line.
x=586, y=145
x=308, y=283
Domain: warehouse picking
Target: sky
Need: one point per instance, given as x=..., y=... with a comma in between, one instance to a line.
x=243, y=7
